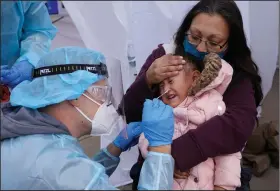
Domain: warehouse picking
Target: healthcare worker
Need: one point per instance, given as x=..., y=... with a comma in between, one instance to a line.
x=69, y=97
x=26, y=34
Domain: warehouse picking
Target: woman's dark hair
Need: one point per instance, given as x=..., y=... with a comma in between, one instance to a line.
x=195, y=63
x=238, y=53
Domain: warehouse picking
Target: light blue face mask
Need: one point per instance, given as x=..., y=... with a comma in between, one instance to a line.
x=189, y=48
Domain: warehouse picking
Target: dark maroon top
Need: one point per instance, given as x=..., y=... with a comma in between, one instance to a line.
x=220, y=135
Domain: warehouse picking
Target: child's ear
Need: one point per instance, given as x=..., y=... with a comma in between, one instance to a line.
x=196, y=74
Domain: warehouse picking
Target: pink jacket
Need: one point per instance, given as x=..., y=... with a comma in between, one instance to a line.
x=223, y=171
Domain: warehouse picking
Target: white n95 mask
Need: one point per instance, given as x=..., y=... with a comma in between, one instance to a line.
x=104, y=120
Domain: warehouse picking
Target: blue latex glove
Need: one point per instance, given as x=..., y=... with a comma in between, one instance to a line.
x=19, y=72
x=157, y=122
x=133, y=131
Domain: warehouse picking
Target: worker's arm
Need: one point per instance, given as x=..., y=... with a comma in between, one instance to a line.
x=109, y=158
x=35, y=41
x=157, y=170
x=158, y=167
x=38, y=32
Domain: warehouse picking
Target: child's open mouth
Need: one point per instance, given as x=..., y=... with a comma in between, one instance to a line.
x=171, y=96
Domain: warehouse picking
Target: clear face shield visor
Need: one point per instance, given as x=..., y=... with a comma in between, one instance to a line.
x=101, y=94
x=110, y=91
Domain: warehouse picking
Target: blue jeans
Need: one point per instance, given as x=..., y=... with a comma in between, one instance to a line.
x=246, y=175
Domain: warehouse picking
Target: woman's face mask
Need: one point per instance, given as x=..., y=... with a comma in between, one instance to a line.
x=104, y=119
x=189, y=48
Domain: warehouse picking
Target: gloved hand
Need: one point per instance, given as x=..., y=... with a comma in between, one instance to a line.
x=133, y=131
x=19, y=72
x=157, y=122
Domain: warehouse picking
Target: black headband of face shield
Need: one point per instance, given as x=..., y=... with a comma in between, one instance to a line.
x=100, y=69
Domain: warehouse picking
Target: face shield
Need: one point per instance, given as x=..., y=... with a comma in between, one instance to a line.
x=107, y=93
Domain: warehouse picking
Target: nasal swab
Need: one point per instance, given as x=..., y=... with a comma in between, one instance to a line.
x=162, y=94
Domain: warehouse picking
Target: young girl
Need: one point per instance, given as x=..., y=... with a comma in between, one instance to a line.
x=196, y=96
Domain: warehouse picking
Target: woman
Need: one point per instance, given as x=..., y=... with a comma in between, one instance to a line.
x=210, y=26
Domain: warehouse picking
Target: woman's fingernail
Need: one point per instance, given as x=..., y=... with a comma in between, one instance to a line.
x=183, y=61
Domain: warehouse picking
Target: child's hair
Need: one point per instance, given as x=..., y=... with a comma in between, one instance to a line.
x=209, y=69
x=192, y=63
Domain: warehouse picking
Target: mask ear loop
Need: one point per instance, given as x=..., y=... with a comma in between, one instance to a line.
x=91, y=99
x=82, y=113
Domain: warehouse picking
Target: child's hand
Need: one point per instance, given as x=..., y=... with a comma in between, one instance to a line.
x=218, y=188
x=181, y=175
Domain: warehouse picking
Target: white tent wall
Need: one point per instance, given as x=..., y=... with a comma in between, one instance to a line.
x=264, y=33
x=110, y=26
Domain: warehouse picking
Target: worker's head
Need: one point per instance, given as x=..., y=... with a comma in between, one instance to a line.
x=71, y=85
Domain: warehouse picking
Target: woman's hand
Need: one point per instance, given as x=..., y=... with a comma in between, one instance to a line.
x=180, y=175
x=164, y=67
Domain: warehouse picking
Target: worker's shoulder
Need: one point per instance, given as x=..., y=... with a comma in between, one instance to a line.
x=41, y=143
x=26, y=5
x=50, y=158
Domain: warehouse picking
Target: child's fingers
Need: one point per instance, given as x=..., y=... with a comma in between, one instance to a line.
x=178, y=176
x=181, y=175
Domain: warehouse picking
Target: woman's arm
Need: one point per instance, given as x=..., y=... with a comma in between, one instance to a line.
x=220, y=135
x=139, y=90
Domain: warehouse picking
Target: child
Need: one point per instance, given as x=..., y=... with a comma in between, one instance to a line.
x=196, y=97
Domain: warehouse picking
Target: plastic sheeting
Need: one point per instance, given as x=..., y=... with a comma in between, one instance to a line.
x=121, y=175
x=264, y=38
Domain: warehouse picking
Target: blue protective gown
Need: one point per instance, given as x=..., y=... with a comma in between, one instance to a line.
x=26, y=31
x=58, y=162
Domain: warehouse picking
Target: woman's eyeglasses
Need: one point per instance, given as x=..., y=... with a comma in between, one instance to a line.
x=210, y=45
